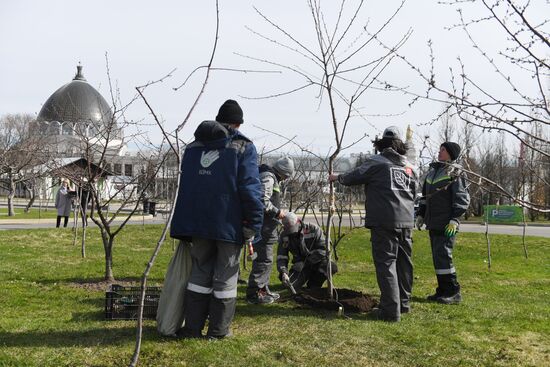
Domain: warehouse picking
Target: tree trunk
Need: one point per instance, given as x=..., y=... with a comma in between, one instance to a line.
x=108, y=247
x=32, y=193
x=331, y=205
x=83, y=242
x=11, y=196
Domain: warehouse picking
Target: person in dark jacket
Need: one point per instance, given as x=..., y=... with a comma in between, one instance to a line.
x=390, y=186
x=258, y=291
x=219, y=208
x=306, y=243
x=444, y=200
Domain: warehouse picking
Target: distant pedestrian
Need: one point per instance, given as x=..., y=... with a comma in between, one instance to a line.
x=63, y=203
x=219, y=209
x=444, y=200
x=390, y=187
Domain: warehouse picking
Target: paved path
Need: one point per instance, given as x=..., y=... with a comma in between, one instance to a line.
x=531, y=230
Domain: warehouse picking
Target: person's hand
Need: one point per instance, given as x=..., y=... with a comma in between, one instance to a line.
x=332, y=177
x=419, y=222
x=281, y=214
x=285, y=278
x=248, y=235
x=451, y=228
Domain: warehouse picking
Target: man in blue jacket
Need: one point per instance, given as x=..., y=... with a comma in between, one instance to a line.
x=219, y=208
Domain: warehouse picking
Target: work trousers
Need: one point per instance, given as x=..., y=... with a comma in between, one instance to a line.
x=212, y=288
x=261, y=266
x=442, y=255
x=391, y=253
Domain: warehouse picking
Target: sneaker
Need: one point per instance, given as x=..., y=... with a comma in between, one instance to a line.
x=451, y=300
x=273, y=295
x=433, y=297
x=218, y=337
x=260, y=298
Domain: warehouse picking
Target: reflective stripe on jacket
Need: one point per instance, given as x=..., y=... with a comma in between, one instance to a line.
x=444, y=195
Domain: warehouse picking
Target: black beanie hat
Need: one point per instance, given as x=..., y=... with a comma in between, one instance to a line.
x=452, y=148
x=230, y=113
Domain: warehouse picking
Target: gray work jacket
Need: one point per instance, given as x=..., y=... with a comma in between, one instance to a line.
x=390, y=185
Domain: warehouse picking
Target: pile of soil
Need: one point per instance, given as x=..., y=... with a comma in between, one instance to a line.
x=351, y=301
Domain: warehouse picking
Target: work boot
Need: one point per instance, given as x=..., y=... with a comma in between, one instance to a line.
x=450, y=300
x=261, y=297
x=221, y=312
x=273, y=295
x=377, y=314
x=185, y=333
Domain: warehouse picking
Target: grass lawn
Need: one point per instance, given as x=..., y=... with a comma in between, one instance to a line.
x=503, y=321
x=34, y=213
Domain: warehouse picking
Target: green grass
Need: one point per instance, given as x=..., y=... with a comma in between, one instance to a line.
x=34, y=213
x=503, y=321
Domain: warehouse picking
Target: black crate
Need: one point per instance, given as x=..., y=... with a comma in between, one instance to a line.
x=122, y=303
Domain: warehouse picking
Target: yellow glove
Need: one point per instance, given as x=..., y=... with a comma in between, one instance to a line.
x=451, y=228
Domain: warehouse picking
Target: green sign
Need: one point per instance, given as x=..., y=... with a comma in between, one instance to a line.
x=503, y=213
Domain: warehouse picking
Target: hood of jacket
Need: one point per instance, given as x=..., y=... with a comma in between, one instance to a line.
x=212, y=133
x=395, y=157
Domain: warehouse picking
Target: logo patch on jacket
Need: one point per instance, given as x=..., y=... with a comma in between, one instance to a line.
x=400, y=179
x=207, y=158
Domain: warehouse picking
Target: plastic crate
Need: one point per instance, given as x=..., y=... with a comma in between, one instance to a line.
x=122, y=303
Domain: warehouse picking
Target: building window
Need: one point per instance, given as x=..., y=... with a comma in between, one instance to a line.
x=67, y=129
x=118, y=169
x=55, y=128
x=128, y=170
x=107, y=168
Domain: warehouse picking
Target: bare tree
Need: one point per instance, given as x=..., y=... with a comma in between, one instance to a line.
x=343, y=65
x=21, y=154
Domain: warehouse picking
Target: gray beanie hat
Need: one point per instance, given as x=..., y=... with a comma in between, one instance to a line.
x=284, y=166
x=291, y=223
x=392, y=132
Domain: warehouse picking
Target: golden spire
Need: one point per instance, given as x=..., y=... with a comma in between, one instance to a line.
x=409, y=133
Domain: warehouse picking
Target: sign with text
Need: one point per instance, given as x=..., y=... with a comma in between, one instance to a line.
x=503, y=213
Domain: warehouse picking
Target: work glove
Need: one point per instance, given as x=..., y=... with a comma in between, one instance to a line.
x=451, y=228
x=419, y=222
x=282, y=271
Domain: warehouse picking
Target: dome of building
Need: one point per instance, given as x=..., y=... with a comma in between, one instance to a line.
x=76, y=101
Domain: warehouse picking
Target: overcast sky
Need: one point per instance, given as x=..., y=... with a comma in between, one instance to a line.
x=41, y=42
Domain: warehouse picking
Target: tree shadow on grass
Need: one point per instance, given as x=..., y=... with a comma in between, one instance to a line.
x=285, y=307
x=71, y=338
x=99, y=283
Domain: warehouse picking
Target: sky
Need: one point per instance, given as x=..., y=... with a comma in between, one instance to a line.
x=41, y=42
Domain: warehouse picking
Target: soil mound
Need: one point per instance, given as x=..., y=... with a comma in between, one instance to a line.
x=351, y=301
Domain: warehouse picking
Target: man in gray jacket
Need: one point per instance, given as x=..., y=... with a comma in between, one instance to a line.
x=390, y=186
x=306, y=243
x=270, y=177
x=444, y=200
